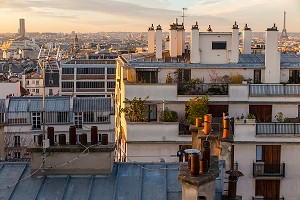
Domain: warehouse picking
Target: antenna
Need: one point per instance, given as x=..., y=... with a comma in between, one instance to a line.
x=183, y=16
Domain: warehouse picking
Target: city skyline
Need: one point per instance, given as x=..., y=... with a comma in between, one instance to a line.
x=137, y=15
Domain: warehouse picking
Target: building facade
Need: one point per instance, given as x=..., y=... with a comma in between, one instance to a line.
x=244, y=85
x=88, y=78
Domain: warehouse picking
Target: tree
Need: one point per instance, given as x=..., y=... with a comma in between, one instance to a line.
x=136, y=110
x=197, y=107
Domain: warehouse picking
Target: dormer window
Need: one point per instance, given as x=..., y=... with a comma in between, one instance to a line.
x=219, y=45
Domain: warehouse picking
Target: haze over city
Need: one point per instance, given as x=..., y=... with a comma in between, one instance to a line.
x=136, y=15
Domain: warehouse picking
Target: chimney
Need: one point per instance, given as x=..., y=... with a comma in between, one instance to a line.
x=195, y=51
x=234, y=56
x=247, y=38
x=173, y=41
x=226, y=126
x=207, y=124
x=151, y=39
x=272, y=56
x=179, y=40
x=158, y=42
x=167, y=43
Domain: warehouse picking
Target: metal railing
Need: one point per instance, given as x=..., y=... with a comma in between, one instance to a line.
x=277, y=128
x=262, y=198
x=272, y=170
x=202, y=89
x=274, y=89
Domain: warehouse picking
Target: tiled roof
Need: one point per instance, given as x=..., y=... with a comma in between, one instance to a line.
x=128, y=181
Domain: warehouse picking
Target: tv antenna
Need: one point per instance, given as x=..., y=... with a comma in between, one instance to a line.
x=183, y=16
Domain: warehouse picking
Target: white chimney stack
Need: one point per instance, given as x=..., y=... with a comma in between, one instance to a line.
x=234, y=56
x=167, y=43
x=158, y=42
x=195, y=51
x=179, y=40
x=272, y=56
x=151, y=39
x=173, y=40
x=183, y=39
x=247, y=38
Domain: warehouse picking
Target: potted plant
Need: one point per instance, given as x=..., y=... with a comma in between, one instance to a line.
x=168, y=116
x=136, y=110
x=250, y=118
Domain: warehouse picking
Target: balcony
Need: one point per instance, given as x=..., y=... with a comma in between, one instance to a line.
x=277, y=129
x=202, y=89
x=274, y=90
x=262, y=198
x=260, y=169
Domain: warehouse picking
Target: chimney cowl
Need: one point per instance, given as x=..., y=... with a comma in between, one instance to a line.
x=195, y=26
x=246, y=28
x=235, y=26
x=274, y=28
x=158, y=27
x=209, y=29
x=151, y=28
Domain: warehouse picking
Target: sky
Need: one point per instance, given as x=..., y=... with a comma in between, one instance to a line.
x=137, y=15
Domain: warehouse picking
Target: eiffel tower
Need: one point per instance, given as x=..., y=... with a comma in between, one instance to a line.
x=284, y=33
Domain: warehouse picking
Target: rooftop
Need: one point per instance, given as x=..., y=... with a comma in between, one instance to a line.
x=128, y=181
x=245, y=61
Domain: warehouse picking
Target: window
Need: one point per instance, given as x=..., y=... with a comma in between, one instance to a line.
x=67, y=85
x=152, y=113
x=147, y=75
x=17, y=155
x=78, y=119
x=36, y=120
x=32, y=81
x=35, y=138
x=37, y=91
x=90, y=70
x=99, y=138
x=88, y=116
x=83, y=85
x=111, y=84
x=257, y=76
x=219, y=45
x=17, y=141
x=33, y=90
x=50, y=92
x=37, y=82
x=57, y=117
x=67, y=70
x=111, y=70
x=27, y=82
x=259, y=153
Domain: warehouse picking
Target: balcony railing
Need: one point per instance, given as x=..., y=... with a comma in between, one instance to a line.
x=272, y=170
x=202, y=89
x=274, y=89
x=277, y=128
x=262, y=198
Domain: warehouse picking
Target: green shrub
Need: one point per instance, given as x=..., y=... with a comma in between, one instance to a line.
x=197, y=107
x=168, y=116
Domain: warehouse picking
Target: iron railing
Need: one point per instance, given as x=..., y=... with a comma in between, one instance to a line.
x=202, y=89
x=262, y=198
x=274, y=89
x=277, y=128
x=271, y=170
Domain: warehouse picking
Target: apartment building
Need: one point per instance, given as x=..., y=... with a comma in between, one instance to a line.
x=23, y=118
x=85, y=78
x=169, y=79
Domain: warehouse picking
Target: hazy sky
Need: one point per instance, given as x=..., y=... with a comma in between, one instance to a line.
x=137, y=15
